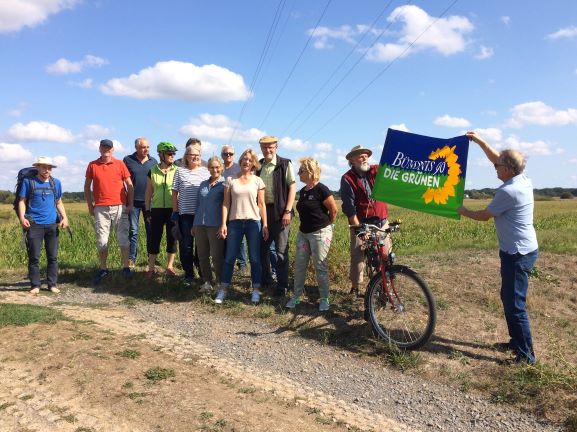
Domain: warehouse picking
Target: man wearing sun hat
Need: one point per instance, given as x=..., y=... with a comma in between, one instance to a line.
x=41, y=213
x=356, y=187
x=279, y=195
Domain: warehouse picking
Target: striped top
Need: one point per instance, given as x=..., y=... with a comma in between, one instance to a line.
x=187, y=183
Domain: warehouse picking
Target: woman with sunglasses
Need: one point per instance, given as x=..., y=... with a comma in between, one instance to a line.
x=243, y=215
x=318, y=211
x=158, y=208
x=185, y=190
x=207, y=224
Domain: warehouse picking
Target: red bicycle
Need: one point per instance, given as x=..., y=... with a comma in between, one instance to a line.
x=398, y=303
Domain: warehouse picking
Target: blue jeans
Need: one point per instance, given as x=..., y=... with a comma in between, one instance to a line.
x=35, y=236
x=514, y=285
x=237, y=230
x=278, y=234
x=134, y=225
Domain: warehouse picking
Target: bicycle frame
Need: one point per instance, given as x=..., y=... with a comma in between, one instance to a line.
x=376, y=242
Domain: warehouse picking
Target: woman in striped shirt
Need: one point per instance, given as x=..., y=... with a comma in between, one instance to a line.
x=185, y=190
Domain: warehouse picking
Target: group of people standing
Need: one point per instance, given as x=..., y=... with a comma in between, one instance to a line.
x=219, y=204
x=213, y=209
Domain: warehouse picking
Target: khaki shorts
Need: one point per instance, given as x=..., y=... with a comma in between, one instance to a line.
x=104, y=218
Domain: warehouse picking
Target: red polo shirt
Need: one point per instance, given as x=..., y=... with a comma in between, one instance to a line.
x=108, y=181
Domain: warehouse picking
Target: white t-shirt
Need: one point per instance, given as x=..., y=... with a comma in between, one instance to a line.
x=243, y=198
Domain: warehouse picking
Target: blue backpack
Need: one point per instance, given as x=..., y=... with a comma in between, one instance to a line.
x=28, y=174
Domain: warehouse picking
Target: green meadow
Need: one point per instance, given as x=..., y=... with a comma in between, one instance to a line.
x=555, y=222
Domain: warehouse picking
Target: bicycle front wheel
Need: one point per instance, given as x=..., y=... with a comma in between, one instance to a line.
x=409, y=320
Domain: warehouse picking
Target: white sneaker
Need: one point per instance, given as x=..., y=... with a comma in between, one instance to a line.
x=35, y=290
x=205, y=288
x=220, y=296
x=255, y=296
x=324, y=305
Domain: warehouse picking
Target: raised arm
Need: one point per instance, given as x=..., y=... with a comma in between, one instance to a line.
x=490, y=152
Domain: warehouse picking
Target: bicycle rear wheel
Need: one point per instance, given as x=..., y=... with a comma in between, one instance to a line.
x=410, y=321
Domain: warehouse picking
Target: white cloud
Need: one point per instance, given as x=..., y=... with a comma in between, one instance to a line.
x=15, y=112
x=86, y=83
x=180, y=80
x=402, y=127
x=573, y=160
x=506, y=20
x=541, y=114
x=14, y=154
x=293, y=144
x=421, y=31
x=539, y=148
x=484, y=53
x=496, y=139
x=322, y=35
x=63, y=66
x=567, y=32
x=17, y=14
x=96, y=131
x=94, y=144
x=219, y=127
x=491, y=135
x=40, y=131
x=324, y=147
x=454, y=122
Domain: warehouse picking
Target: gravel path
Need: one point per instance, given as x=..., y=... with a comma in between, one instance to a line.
x=364, y=382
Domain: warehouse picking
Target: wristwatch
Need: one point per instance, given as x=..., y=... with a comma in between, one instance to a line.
x=288, y=211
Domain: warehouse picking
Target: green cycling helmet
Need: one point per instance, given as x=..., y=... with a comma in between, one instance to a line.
x=165, y=146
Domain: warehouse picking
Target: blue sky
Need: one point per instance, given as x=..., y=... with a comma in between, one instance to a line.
x=76, y=71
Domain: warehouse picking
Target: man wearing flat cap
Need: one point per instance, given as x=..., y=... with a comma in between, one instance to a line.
x=41, y=213
x=109, y=195
x=280, y=191
x=356, y=187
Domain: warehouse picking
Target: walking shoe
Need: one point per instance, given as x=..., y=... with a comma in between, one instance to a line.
x=206, y=287
x=100, y=274
x=291, y=304
x=188, y=280
x=127, y=273
x=54, y=289
x=220, y=296
x=255, y=296
x=324, y=305
x=170, y=272
x=35, y=290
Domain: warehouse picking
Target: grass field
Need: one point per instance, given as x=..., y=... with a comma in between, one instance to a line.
x=459, y=261
x=555, y=222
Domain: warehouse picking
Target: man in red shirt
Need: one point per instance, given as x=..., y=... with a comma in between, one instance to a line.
x=109, y=195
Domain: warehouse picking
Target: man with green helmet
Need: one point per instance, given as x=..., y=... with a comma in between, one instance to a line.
x=158, y=204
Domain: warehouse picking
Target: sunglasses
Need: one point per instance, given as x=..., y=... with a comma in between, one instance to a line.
x=169, y=153
x=227, y=154
x=193, y=155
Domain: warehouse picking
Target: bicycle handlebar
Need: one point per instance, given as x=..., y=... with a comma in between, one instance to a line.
x=393, y=226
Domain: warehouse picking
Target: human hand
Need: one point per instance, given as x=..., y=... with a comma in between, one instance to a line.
x=64, y=223
x=286, y=219
x=25, y=223
x=265, y=233
x=147, y=216
x=222, y=232
x=174, y=216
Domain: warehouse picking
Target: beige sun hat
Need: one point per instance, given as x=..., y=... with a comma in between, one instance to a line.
x=358, y=149
x=44, y=160
x=268, y=139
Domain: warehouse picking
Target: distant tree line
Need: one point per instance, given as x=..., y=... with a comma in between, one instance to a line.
x=7, y=197
x=556, y=192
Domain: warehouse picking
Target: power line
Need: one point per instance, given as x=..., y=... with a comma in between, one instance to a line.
x=353, y=49
x=387, y=67
x=295, y=65
x=264, y=52
x=345, y=76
